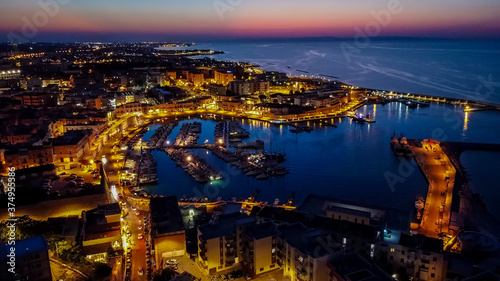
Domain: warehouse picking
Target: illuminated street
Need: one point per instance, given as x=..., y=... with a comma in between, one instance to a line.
x=441, y=176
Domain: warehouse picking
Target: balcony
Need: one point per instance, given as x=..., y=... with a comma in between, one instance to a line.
x=301, y=275
x=231, y=239
x=231, y=253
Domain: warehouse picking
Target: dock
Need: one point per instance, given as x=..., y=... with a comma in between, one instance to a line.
x=193, y=165
x=440, y=174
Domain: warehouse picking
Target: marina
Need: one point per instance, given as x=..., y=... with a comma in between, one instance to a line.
x=146, y=169
x=188, y=134
x=236, y=133
x=331, y=155
x=159, y=138
x=193, y=165
x=261, y=165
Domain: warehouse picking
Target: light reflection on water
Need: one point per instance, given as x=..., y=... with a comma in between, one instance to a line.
x=348, y=161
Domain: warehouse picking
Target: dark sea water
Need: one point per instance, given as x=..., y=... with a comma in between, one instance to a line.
x=457, y=69
x=482, y=168
x=351, y=161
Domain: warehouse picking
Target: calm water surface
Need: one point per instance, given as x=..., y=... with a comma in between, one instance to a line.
x=482, y=169
x=350, y=161
x=465, y=69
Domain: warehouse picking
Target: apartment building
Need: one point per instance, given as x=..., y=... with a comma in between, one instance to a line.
x=129, y=108
x=223, y=76
x=421, y=257
x=303, y=252
x=39, y=99
x=239, y=87
x=351, y=266
x=218, y=242
x=18, y=133
x=27, y=157
x=260, y=87
x=70, y=148
x=101, y=231
x=196, y=78
x=31, y=260
x=258, y=242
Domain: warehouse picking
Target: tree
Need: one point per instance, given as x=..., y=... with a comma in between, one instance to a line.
x=69, y=252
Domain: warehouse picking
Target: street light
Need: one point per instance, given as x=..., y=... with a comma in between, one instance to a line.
x=188, y=158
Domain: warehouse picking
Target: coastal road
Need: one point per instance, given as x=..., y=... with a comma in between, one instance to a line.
x=440, y=173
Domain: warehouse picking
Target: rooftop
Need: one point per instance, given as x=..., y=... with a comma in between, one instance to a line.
x=30, y=245
x=71, y=137
x=260, y=230
x=308, y=241
x=355, y=268
x=223, y=226
x=420, y=241
x=166, y=216
x=349, y=211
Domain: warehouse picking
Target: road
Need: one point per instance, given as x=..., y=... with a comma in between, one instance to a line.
x=134, y=224
x=440, y=173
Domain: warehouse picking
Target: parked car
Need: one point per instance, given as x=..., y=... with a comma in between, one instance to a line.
x=172, y=262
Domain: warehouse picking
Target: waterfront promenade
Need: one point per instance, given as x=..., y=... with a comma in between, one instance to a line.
x=440, y=174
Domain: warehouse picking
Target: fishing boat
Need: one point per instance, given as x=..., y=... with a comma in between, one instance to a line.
x=307, y=129
x=254, y=172
x=394, y=140
x=262, y=176
x=358, y=119
x=368, y=119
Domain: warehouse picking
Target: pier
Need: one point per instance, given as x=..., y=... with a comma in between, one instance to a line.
x=468, y=105
x=193, y=165
x=260, y=165
x=188, y=134
x=440, y=173
x=160, y=135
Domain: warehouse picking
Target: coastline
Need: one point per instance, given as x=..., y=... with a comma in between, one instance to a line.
x=472, y=207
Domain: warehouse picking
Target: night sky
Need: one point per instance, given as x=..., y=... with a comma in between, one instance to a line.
x=127, y=20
